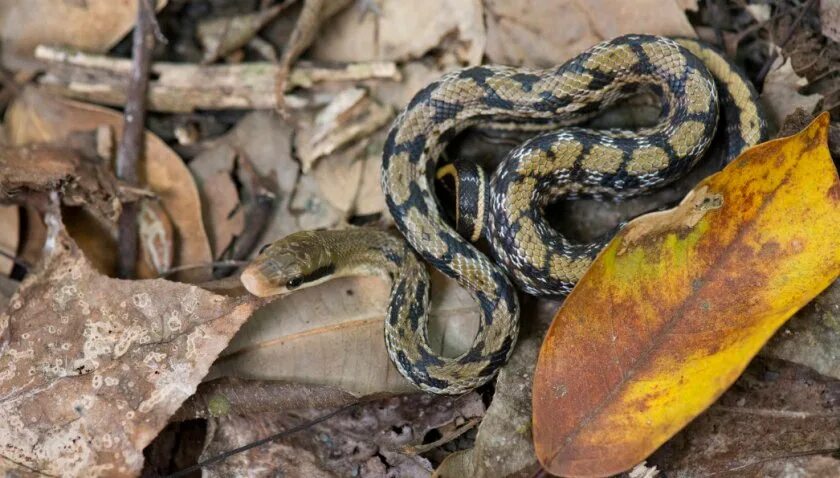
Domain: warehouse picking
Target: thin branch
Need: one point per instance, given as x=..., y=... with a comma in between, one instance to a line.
x=765, y=69
x=185, y=267
x=131, y=146
x=274, y=437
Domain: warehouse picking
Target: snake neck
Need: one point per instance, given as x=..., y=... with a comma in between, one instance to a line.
x=362, y=252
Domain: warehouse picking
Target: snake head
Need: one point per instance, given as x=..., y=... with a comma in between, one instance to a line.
x=298, y=260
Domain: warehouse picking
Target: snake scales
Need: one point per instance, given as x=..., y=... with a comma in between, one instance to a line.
x=692, y=81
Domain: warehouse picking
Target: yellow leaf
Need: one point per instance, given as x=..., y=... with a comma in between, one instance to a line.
x=674, y=308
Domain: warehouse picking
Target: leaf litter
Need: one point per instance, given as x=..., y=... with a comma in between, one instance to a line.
x=345, y=69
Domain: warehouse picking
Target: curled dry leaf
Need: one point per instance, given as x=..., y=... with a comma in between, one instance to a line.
x=673, y=309
x=37, y=117
x=349, y=116
x=157, y=241
x=266, y=140
x=93, y=367
x=368, y=441
x=41, y=168
x=222, y=35
x=332, y=334
x=543, y=33
x=402, y=31
x=90, y=25
x=781, y=92
x=792, y=410
x=221, y=208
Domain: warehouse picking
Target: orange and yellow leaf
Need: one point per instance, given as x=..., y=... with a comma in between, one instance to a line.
x=674, y=308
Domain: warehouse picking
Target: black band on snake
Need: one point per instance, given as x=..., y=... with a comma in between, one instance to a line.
x=693, y=82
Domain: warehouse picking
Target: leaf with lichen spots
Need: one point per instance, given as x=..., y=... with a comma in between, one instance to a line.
x=674, y=308
x=92, y=367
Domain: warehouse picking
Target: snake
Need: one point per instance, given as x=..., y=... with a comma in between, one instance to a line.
x=564, y=158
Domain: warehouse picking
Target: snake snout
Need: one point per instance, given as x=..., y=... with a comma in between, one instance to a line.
x=255, y=281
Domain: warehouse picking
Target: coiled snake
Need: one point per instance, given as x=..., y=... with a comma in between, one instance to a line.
x=563, y=160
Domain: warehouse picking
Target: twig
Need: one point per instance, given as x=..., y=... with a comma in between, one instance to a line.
x=131, y=146
x=739, y=36
x=765, y=69
x=276, y=436
x=187, y=267
x=824, y=451
x=182, y=88
x=469, y=425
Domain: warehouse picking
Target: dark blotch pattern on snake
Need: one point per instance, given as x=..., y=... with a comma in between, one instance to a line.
x=563, y=160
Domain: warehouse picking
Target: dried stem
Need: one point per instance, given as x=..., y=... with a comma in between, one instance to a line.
x=131, y=146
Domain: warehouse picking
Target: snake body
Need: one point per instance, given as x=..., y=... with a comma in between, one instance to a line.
x=572, y=161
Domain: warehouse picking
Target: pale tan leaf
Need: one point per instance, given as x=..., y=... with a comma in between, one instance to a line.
x=90, y=25
x=332, y=334
x=266, y=140
x=781, y=94
x=93, y=367
x=404, y=31
x=310, y=208
x=544, y=33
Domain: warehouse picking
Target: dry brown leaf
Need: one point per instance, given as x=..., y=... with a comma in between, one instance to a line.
x=781, y=93
x=333, y=335
x=542, y=33
x=503, y=445
x=266, y=140
x=9, y=236
x=222, y=35
x=369, y=198
x=213, y=171
x=349, y=116
x=403, y=31
x=90, y=25
x=226, y=218
x=774, y=413
x=370, y=441
x=414, y=76
x=339, y=176
x=94, y=366
x=31, y=170
x=311, y=208
x=156, y=238
x=36, y=117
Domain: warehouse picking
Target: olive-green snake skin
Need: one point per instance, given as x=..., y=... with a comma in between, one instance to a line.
x=561, y=161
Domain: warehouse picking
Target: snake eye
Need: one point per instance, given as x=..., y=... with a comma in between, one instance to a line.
x=263, y=248
x=294, y=282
